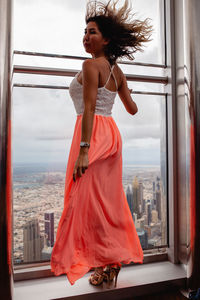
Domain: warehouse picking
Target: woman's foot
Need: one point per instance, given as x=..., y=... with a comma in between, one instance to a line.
x=97, y=277
x=111, y=272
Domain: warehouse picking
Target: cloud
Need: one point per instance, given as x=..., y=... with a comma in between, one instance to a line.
x=47, y=26
x=145, y=123
x=142, y=143
x=58, y=26
x=50, y=138
x=41, y=113
x=139, y=132
x=75, y=5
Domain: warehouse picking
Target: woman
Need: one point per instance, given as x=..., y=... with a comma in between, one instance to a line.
x=96, y=229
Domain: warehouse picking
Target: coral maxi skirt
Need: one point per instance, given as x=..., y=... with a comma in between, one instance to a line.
x=96, y=227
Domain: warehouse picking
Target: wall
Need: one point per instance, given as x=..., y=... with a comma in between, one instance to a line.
x=187, y=101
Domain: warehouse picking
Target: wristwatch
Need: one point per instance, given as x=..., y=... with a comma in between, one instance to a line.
x=84, y=144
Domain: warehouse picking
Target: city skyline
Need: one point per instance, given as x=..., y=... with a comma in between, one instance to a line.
x=39, y=198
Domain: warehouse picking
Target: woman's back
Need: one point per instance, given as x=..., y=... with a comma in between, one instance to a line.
x=104, y=69
x=106, y=93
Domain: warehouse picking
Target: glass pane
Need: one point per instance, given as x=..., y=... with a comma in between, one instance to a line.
x=43, y=122
x=144, y=166
x=58, y=26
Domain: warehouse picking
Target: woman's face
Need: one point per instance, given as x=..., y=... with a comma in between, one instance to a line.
x=93, y=40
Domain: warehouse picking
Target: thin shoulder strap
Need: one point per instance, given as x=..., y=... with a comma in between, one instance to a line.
x=108, y=76
x=78, y=73
x=111, y=73
x=114, y=77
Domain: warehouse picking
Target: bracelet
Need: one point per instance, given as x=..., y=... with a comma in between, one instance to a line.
x=84, y=144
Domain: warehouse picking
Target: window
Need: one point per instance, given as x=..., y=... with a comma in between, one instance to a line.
x=58, y=26
x=43, y=119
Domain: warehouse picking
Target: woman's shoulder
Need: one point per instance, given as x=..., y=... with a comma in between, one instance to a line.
x=89, y=66
x=94, y=64
x=98, y=62
x=91, y=62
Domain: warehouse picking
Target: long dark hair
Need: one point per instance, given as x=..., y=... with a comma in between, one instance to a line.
x=125, y=34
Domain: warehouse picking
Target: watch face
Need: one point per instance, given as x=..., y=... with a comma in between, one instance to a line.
x=83, y=144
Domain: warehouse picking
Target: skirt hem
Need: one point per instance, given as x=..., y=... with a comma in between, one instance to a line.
x=63, y=270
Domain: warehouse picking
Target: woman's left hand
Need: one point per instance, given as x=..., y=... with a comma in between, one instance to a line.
x=81, y=164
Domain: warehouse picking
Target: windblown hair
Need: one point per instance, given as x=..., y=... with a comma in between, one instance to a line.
x=125, y=34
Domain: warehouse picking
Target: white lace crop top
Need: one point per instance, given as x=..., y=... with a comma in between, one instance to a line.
x=104, y=101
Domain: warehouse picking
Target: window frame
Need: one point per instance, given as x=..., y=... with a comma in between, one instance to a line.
x=33, y=270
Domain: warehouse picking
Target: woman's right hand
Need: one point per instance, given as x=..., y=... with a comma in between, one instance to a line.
x=81, y=164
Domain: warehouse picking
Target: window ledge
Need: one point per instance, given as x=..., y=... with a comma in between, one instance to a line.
x=133, y=280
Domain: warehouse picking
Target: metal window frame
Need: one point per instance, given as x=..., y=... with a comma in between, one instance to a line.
x=42, y=269
x=30, y=270
x=170, y=89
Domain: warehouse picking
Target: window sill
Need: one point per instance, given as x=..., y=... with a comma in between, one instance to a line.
x=133, y=280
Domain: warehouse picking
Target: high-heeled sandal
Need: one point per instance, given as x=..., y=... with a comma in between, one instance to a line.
x=97, y=276
x=110, y=273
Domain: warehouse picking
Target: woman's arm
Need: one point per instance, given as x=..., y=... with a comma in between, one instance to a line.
x=90, y=86
x=90, y=82
x=124, y=94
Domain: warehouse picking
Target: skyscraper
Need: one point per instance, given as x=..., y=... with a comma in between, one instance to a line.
x=141, y=200
x=154, y=195
x=143, y=236
x=49, y=228
x=158, y=203
x=129, y=196
x=157, y=183
x=154, y=186
x=148, y=211
x=136, y=196
x=33, y=241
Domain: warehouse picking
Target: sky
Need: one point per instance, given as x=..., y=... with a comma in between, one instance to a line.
x=44, y=119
